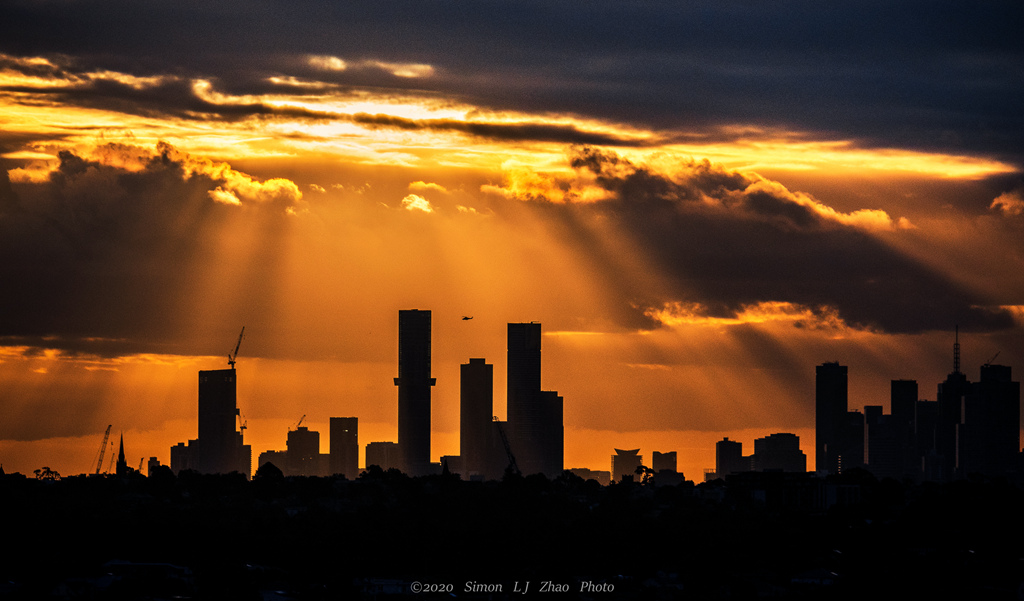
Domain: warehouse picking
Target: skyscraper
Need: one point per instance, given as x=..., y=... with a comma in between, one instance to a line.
x=219, y=446
x=303, y=452
x=949, y=430
x=476, y=394
x=534, y=416
x=345, y=446
x=523, y=370
x=830, y=408
x=903, y=409
x=414, y=384
x=663, y=461
x=991, y=429
x=729, y=458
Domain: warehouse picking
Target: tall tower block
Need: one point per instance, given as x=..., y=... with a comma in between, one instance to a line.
x=830, y=407
x=344, y=458
x=534, y=416
x=524, y=411
x=477, y=408
x=414, y=384
x=217, y=414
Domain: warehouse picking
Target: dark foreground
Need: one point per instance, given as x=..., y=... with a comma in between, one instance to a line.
x=386, y=535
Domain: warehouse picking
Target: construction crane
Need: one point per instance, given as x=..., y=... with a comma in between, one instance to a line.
x=989, y=362
x=141, y=459
x=512, y=465
x=103, y=448
x=234, y=355
x=113, y=456
x=301, y=419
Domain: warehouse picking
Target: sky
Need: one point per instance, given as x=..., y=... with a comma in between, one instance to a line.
x=699, y=202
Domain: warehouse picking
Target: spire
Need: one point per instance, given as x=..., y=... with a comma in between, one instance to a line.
x=122, y=465
x=956, y=351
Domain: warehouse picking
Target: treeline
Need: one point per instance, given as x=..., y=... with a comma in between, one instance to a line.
x=327, y=537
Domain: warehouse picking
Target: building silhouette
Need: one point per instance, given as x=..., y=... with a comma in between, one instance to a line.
x=303, y=452
x=278, y=458
x=971, y=427
x=778, y=453
x=903, y=403
x=774, y=453
x=830, y=407
x=414, y=383
x=729, y=458
x=948, y=426
x=219, y=448
x=625, y=462
x=122, y=464
x=883, y=452
x=534, y=416
x=603, y=477
x=479, y=446
x=991, y=432
x=663, y=462
x=382, y=454
x=344, y=453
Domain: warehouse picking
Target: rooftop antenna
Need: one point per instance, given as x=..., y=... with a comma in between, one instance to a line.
x=233, y=356
x=956, y=351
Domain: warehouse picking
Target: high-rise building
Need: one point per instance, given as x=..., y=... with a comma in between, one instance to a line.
x=219, y=448
x=476, y=400
x=729, y=458
x=625, y=462
x=903, y=414
x=181, y=458
x=883, y=455
x=949, y=433
x=991, y=428
x=382, y=454
x=279, y=459
x=534, y=416
x=345, y=446
x=663, y=461
x=830, y=409
x=414, y=383
x=303, y=452
x=778, y=452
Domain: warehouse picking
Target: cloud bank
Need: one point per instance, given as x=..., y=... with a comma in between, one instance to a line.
x=731, y=241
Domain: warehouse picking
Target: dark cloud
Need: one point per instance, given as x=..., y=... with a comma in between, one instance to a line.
x=108, y=260
x=914, y=74
x=497, y=131
x=726, y=240
x=178, y=98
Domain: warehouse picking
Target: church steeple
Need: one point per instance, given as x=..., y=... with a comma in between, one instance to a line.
x=122, y=465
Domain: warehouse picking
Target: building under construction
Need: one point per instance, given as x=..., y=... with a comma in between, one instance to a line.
x=219, y=449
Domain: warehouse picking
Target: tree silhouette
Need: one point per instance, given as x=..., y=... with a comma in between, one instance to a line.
x=45, y=473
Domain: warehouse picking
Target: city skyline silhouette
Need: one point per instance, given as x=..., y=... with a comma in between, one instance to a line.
x=769, y=257
x=697, y=204
x=969, y=430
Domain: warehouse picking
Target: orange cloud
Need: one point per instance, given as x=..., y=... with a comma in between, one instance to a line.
x=1010, y=203
x=868, y=219
x=421, y=185
x=415, y=202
